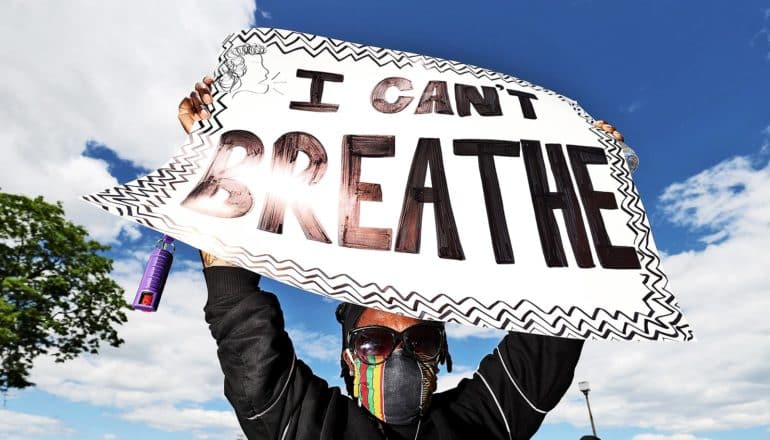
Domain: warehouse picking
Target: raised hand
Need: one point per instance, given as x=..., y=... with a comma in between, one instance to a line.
x=606, y=126
x=193, y=108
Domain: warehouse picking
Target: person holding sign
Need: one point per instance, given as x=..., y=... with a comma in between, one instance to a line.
x=390, y=365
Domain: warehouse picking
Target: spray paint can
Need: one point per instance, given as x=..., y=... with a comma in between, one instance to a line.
x=156, y=272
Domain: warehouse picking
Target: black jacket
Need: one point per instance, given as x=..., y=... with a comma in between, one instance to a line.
x=276, y=396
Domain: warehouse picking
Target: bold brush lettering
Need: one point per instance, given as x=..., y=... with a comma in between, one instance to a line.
x=487, y=105
x=545, y=201
x=428, y=154
x=353, y=192
x=378, y=95
x=486, y=150
x=221, y=176
x=317, y=80
x=611, y=257
x=285, y=151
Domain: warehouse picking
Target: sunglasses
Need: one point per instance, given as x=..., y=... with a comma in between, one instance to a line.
x=374, y=344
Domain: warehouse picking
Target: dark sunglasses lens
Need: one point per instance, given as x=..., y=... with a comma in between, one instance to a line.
x=424, y=340
x=373, y=344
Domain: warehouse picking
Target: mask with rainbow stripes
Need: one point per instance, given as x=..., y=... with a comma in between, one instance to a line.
x=396, y=391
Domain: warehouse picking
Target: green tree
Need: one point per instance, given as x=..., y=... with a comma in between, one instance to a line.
x=56, y=296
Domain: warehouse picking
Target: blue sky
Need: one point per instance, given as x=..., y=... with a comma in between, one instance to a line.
x=686, y=82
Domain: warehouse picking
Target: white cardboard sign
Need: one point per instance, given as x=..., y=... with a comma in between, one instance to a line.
x=412, y=184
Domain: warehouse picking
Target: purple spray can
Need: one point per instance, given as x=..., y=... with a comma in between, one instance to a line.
x=155, y=274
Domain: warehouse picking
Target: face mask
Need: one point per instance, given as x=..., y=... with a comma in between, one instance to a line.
x=396, y=391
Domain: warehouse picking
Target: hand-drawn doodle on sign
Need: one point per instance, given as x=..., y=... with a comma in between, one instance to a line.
x=412, y=184
x=244, y=70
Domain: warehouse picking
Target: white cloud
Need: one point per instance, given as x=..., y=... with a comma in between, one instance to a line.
x=168, y=356
x=631, y=108
x=667, y=437
x=167, y=363
x=720, y=381
x=315, y=345
x=22, y=426
x=447, y=381
x=458, y=331
x=723, y=199
x=170, y=418
x=764, y=32
x=117, y=79
x=109, y=437
x=166, y=370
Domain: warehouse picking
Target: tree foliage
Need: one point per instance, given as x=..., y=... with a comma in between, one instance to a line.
x=56, y=297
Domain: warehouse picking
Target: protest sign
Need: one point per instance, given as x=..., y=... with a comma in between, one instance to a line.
x=412, y=184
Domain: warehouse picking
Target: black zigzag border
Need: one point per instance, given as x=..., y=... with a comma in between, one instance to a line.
x=139, y=200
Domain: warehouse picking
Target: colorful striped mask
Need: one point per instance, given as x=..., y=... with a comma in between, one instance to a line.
x=396, y=391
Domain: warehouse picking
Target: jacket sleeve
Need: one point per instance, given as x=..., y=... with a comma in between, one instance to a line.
x=254, y=351
x=515, y=386
x=274, y=394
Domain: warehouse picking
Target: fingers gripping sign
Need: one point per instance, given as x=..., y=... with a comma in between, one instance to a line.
x=630, y=155
x=193, y=108
x=609, y=128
